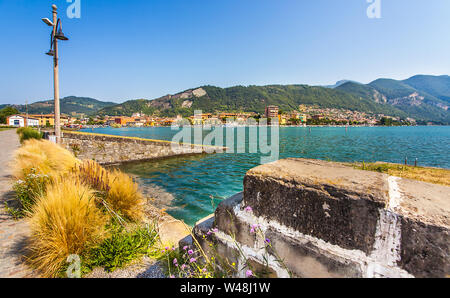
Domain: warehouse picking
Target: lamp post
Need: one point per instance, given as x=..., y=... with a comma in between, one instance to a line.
x=56, y=35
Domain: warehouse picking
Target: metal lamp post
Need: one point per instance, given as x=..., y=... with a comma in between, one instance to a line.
x=56, y=35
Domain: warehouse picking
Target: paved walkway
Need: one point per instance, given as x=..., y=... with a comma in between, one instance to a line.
x=12, y=233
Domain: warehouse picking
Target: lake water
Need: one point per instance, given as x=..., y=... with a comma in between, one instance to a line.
x=191, y=187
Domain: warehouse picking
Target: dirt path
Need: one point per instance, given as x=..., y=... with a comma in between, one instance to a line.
x=12, y=233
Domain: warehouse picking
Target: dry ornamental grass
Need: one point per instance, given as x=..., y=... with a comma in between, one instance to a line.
x=64, y=221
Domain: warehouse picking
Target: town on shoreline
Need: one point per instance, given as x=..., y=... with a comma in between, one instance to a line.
x=304, y=116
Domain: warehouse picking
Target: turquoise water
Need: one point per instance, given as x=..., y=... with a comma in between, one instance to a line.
x=191, y=187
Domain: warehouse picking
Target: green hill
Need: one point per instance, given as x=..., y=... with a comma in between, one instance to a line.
x=212, y=99
x=418, y=104
x=404, y=96
x=363, y=91
x=437, y=86
x=425, y=98
x=69, y=105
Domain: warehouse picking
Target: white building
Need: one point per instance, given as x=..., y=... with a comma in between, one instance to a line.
x=19, y=121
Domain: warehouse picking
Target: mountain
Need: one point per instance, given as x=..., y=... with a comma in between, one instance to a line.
x=363, y=91
x=340, y=83
x=437, y=86
x=69, y=105
x=417, y=103
x=212, y=99
x=420, y=97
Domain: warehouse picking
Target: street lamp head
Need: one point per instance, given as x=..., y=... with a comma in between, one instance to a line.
x=48, y=22
x=50, y=53
x=60, y=35
x=54, y=7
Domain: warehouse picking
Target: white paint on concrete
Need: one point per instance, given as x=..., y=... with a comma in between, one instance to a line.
x=387, y=239
x=388, y=234
x=381, y=263
x=257, y=254
x=395, y=196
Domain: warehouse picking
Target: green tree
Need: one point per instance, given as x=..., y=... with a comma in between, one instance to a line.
x=5, y=112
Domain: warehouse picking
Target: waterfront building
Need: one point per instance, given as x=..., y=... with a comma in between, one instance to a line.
x=49, y=119
x=123, y=120
x=22, y=121
x=271, y=112
x=304, y=118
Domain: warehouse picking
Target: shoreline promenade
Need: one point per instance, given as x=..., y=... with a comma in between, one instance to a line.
x=12, y=233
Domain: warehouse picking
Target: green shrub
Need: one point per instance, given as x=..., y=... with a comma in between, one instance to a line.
x=26, y=133
x=120, y=249
x=28, y=190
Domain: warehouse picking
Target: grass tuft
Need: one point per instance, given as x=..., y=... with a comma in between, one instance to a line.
x=121, y=248
x=42, y=157
x=64, y=221
x=431, y=175
x=27, y=133
x=124, y=195
x=119, y=190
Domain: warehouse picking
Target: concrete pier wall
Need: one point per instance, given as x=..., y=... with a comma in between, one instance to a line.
x=325, y=219
x=110, y=149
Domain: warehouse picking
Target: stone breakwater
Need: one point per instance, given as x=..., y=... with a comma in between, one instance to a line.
x=110, y=149
x=326, y=219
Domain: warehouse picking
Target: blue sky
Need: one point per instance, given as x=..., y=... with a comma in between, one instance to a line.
x=121, y=50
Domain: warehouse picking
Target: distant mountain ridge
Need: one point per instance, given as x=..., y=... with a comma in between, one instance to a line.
x=210, y=99
x=436, y=86
x=423, y=97
x=69, y=105
x=339, y=83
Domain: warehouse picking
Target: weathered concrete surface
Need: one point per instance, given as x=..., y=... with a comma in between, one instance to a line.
x=13, y=234
x=316, y=198
x=327, y=220
x=305, y=259
x=425, y=222
x=110, y=149
x=227, y=221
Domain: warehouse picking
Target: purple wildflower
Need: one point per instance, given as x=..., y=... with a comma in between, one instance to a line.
x=253, y=229
x=175, y=261
x=249, y=273
x=184, y=248
x=248, y=209
x=193, y=260
x=190, y=252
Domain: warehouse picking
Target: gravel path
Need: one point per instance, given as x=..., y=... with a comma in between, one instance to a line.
x=12, y=233
x=145, y=268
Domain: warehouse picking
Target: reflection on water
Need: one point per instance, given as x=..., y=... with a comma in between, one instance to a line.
x=192, y=186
